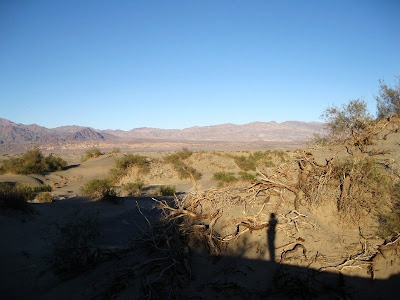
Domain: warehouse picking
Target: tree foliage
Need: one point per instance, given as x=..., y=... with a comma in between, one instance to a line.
x=388, y=100
x=349, y=120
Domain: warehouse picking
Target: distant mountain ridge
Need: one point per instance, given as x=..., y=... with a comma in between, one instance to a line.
x=15, y=133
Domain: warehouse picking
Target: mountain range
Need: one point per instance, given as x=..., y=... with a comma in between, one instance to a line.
x=15, y=133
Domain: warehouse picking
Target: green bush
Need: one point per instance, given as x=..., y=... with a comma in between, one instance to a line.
x=167, y=190
x=224, y=178
x=92, y=153
x=98, y=189
x=134, y=188
x=33, y=162
x=247, y=176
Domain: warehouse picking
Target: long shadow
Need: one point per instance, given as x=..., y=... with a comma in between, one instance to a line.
x=271, y=236
x=259, y=279
x=70, y=167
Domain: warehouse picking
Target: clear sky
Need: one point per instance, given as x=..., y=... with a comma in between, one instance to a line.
x=176, y=64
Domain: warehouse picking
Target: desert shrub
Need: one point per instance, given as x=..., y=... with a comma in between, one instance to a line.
x=185, y=153
x=167, y=190
x=350, y=123
x=130, y=160
x=71, y=250
x=14, y=197
x=115, y=151
x=42, y=188
x=54, y=163
x=116, y=174
x=33, y=162
x=44, y=197
x=183, y=170
x=319, y=139
x=92, y=153
x=282, y=155
x=364, y=186
x=98, y=189
x=248, y=163
x=388, y=100
x=28, y=191
x=123, y=164
x=134, y=188
x=247, y=176
x=390, y=221
x=224, y=178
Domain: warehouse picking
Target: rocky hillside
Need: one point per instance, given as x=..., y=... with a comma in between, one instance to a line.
x=255, y=131
x=13, y=133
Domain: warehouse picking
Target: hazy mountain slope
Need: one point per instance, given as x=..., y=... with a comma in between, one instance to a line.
x=11, y=132
x=256, y=131
x=14, y=133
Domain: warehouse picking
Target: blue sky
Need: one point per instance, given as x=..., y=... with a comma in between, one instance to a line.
x=176, y=64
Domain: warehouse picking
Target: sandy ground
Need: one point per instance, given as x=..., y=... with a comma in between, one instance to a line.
x=248, y=268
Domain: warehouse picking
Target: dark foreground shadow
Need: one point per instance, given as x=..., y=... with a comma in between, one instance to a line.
x=206, y=277
x=241, y=278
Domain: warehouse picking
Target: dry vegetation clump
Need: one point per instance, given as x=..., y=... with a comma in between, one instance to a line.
x=92, y=153
x=390, y=220
x=177, y=161
x=362, y=181
x=33, y=162
x=166, y=247
x=259, y=158
x=359, y=185
x=72, y=247
x=44, y=197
